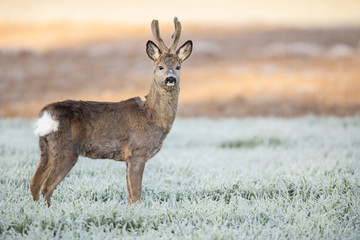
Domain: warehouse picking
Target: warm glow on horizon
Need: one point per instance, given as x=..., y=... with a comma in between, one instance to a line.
x=228, y=12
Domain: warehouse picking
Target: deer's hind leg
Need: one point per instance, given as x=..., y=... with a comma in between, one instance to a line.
x=63, y=162
x=42, y=170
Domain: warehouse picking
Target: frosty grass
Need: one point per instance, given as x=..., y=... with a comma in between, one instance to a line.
x=253, y=178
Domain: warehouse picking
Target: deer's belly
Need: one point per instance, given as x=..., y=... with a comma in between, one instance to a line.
x=111, y=150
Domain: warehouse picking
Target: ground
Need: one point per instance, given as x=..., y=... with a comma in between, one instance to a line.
x=250, y=178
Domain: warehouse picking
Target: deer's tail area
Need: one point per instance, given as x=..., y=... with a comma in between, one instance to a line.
x=45, y=124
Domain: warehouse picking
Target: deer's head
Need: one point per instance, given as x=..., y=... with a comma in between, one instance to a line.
x=167, y=61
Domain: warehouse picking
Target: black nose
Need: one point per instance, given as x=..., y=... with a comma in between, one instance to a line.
x=170, y=80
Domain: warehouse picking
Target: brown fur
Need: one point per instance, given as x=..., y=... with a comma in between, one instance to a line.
x=131, y=131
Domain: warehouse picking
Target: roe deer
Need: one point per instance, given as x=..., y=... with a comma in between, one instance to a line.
x=131, y=131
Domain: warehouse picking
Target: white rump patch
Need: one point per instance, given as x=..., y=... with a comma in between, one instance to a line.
x=45, y=125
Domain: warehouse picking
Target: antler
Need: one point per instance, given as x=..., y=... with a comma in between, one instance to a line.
x=156, y=33
x=176, y=35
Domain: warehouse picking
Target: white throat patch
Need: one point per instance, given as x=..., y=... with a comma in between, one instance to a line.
x=45, y=125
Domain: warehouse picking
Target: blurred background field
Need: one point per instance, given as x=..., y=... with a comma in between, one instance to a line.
x=250, y=58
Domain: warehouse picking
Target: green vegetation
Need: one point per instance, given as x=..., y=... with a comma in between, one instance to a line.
x=258, y=178
x=252, y=143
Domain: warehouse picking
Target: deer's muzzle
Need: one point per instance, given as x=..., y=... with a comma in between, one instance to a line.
x=170, y=81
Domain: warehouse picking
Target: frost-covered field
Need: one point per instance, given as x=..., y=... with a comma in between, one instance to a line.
x=254, y=178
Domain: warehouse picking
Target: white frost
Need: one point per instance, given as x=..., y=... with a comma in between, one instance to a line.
x=45, y=125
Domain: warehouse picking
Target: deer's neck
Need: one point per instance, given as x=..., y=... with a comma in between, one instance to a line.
x=162, y=105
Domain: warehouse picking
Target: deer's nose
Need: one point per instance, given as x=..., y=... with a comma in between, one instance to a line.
x=170, y=81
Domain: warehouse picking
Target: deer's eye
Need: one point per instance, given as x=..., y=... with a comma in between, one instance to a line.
x=161, y=67
x=178, y=68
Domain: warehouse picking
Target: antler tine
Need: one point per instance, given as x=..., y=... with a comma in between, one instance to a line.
x=176, y=35
x=156, y=34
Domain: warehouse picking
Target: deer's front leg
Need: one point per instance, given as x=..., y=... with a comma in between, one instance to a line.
x=134, y=173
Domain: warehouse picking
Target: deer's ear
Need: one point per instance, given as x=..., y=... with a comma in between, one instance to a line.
x=185, y=50
x=152, y=50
